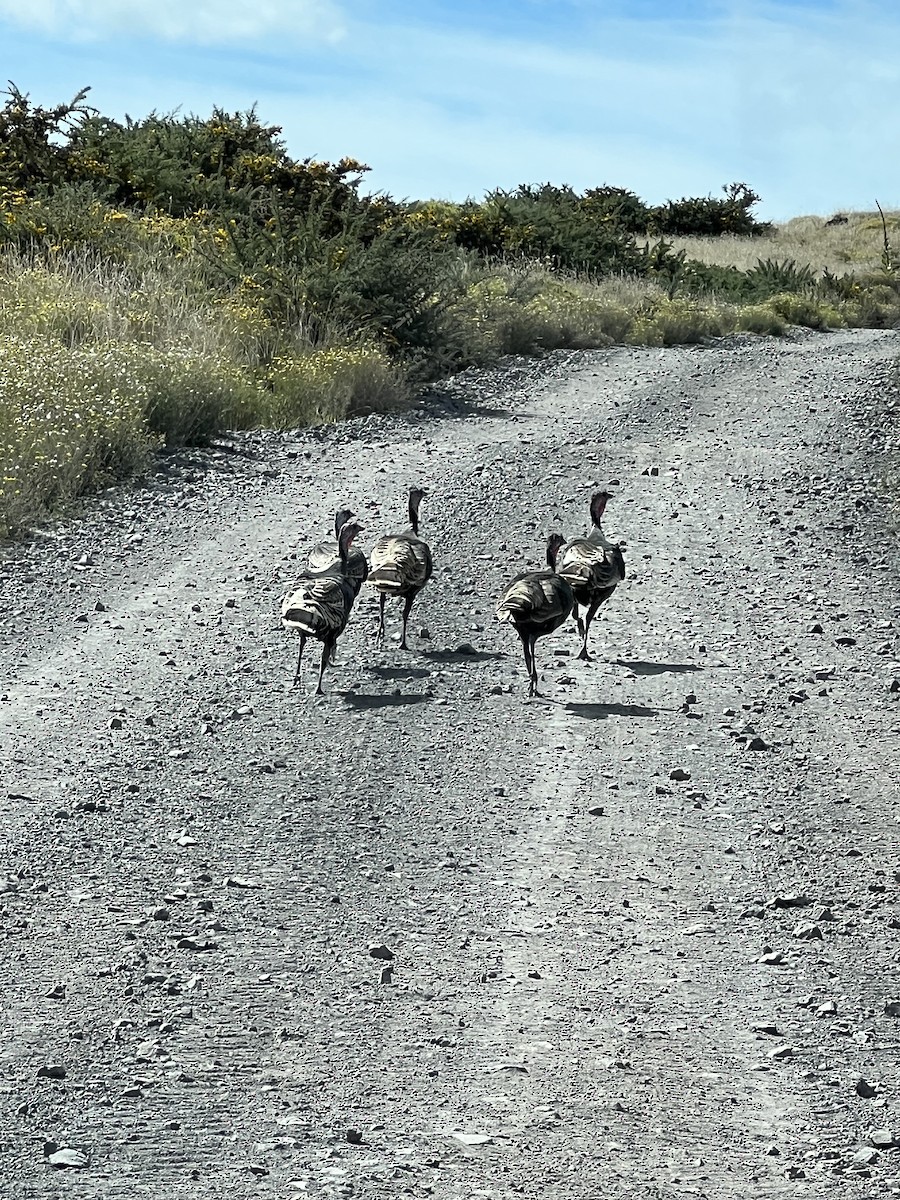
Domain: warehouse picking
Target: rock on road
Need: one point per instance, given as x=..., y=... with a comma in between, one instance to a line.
x=424, y=937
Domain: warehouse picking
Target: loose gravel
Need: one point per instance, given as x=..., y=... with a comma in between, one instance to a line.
x=424, y=937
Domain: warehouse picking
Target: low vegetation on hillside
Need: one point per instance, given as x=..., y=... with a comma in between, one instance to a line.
x=167, y=278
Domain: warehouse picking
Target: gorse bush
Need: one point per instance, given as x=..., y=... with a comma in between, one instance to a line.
x=619, y=208
x=35, y=141
x=597, y=230
x=708, y=215
x=179, y=165
x=550, y=224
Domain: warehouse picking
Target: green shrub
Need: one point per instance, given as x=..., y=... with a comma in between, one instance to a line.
x=682, y=321
x=69, y=218
x=488, y=320
x=565, y=320
x=555, y=320
x=769, y=277
x=706, y=279
x=33, y=140
x=185, y=396
x=619, y=207
x=876, y=307
x=553, y=225
x=707, y=216
x=804, y=310
x=759, y=318
x=839, y=288
x=320, y=288
x=328, y=385
x=529, y=311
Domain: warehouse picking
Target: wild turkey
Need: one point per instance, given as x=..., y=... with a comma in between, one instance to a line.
x=320, y=605
x=593, y=567
x=537, y=603
x=326, y=554
x=401, y=565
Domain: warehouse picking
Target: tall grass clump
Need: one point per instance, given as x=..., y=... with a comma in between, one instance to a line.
x=527, y=308
x=522, y=311
x=186, y=397
x=77, y=297
x=322, y=386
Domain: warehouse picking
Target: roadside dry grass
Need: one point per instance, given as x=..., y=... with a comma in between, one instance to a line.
x=102, y=362
x=532, y=308
x=854, y=247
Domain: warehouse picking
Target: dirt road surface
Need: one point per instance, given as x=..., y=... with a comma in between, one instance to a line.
x=644, y=930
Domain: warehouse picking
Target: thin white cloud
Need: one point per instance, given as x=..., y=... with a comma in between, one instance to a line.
x=200, y=22
x=802, y=103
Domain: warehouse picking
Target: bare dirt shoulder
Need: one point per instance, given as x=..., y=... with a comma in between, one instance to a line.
x=633, y=954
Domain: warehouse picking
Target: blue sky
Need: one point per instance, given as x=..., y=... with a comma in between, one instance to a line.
x=449, y=99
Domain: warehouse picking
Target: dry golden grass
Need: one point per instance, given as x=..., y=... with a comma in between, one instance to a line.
x=100, y=363
x=854, y=248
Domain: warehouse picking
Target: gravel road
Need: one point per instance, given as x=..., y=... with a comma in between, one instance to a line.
x=644, y=930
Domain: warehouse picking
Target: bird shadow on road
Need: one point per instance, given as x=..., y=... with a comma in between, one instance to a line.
x=599, y=712
x=438, y=404
x=399, y=672
x=643, y=667
x=364, y=700
x=461, y=656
